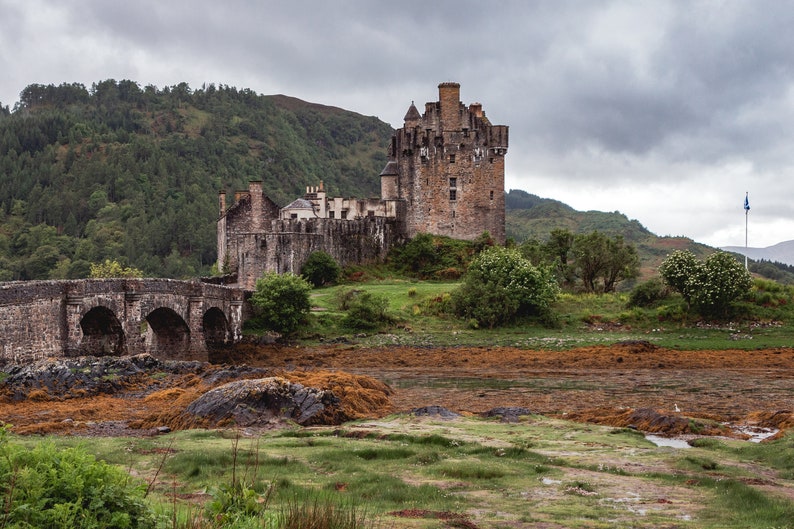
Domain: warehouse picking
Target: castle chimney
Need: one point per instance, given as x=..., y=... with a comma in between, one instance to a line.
x=255, y=191
x=222, y=201
x=476, y=109
x=449, y=100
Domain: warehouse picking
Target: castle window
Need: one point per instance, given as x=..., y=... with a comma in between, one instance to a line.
x=491, y=195
x=451, y=158
x=294, y=216
x=465, y=133
x=370, y=214
x=331, y=213
x=453, y=182
x=453, y=194
x=344, y=213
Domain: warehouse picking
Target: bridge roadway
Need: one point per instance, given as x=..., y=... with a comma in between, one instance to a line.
x=170, y=319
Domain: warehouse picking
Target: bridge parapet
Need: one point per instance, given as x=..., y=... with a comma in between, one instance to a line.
x=166, y=317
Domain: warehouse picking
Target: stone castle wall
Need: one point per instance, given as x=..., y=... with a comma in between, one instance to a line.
x=286, y=244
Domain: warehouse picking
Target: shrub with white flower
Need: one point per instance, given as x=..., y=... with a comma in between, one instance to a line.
x=711, y=286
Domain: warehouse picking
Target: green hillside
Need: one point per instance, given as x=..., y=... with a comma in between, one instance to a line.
x=119, y=171
x=531, y=217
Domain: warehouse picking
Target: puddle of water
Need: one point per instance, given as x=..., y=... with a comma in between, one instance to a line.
x=756, y=433
x=667, y=441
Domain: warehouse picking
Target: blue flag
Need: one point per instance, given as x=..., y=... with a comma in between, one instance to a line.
x=746, y=203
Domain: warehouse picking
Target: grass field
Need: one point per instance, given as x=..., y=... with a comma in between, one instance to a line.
x=404, y=471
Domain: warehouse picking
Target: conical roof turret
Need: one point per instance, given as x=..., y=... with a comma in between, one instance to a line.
x=413, y=116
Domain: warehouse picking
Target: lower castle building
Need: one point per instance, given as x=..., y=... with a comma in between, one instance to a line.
x=445, y=176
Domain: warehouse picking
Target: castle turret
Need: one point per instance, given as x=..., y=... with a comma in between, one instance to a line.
x=412, y=117
x=388, y=181
x=222, y=202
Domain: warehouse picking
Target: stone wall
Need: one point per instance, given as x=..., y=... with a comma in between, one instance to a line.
x=286, y=245
x=33, y=324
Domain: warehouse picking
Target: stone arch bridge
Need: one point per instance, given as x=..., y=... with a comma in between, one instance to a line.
x=170, y=319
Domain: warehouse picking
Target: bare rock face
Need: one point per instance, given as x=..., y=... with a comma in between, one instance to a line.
x=260, y=402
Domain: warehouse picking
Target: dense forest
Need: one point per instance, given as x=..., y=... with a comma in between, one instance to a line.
x=123, y=172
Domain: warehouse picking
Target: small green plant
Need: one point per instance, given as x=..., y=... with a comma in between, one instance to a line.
x=366, y=311
x=704, y=463
x=108, y=269
x=580, y=488
x=322, y=513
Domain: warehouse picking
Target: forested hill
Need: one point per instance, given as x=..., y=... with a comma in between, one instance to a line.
x=116, y=171
x=529, y=216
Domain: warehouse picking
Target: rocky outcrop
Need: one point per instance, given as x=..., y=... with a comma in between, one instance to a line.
x=260, y=402
x=85, y=376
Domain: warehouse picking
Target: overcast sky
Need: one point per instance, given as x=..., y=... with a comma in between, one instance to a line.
x=668, y=112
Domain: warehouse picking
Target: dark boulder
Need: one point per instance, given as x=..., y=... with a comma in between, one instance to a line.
x=434, y=411
x=508, y=413
x=261, y=402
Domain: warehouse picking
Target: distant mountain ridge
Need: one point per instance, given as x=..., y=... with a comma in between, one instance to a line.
x=782, y=252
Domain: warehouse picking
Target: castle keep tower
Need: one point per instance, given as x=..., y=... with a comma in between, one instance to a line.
x=448, y=166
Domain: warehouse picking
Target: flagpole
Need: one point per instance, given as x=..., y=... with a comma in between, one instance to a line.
x=746, y=216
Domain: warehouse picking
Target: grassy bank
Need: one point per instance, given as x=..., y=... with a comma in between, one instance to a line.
x=418, y=319
x=418, y=472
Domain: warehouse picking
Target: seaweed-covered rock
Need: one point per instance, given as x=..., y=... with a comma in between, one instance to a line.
x=259, y=402
x=434, y=411
x=508, y=413
x=85, y=375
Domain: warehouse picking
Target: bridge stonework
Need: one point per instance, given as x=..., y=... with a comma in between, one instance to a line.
x=170, y=319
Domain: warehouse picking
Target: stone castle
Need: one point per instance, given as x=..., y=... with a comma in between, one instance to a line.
x=445, y=176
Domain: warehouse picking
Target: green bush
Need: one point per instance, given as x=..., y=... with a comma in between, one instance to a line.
x=281, y=301
x=434, y=257
x=66, y=488
x=320, y=269
x=500, y=285
x=366, y=311
x=647, y=294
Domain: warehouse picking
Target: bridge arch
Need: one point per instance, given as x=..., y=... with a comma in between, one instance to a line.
x=167, y=335
x=103, y=334
x=217, y=332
